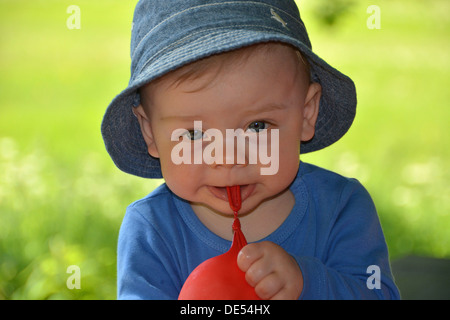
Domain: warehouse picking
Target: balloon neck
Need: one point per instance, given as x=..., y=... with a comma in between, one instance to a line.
x=236, y=222
x=239, y=240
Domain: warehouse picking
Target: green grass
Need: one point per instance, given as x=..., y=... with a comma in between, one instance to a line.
x=62, y=200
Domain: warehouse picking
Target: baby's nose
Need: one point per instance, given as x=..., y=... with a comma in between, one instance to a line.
x=233, y=153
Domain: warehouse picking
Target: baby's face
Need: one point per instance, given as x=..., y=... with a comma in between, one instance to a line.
x=268, y=93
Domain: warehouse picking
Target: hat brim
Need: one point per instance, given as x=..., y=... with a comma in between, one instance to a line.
x=120, y=128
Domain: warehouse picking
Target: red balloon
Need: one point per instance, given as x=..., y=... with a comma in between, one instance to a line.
x=220, y=278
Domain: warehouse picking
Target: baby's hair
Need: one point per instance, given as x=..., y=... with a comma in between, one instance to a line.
x=305, y=63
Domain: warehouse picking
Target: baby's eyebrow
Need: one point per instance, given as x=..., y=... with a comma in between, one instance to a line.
x=250, y=111
x=266, y=108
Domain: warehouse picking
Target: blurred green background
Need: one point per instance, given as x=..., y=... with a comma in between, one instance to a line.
x=62, y=200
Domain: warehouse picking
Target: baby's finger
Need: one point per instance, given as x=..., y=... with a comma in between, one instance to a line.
x=258, y=271
x=269, y=286
x=283, y=294
x=248, y=255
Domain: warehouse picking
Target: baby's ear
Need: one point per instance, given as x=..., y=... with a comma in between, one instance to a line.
x=146, y=130
x=311, y=110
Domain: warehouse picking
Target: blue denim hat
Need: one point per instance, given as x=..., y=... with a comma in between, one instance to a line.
x=168, y=34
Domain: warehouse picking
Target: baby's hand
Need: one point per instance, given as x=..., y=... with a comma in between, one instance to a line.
x=271, y=271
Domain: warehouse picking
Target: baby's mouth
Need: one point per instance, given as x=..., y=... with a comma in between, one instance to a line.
x=221, y=192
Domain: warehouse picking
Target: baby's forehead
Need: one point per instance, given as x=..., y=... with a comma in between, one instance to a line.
x=208, y=68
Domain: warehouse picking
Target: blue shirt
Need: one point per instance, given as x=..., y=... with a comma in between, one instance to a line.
x=333, y=232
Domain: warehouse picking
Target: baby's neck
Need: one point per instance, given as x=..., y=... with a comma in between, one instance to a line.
x=256, y=225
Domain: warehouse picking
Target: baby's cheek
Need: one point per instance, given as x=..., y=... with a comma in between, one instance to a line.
x=287, y=171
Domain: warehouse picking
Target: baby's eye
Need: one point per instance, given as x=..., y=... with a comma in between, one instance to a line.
x=257, y=126
x=194, y=134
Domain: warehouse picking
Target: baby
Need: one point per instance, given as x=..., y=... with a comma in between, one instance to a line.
x=208, y=73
